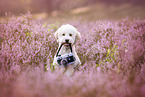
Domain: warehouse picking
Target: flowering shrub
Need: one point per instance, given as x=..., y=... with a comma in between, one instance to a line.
x=23, y=42
x=112, y=55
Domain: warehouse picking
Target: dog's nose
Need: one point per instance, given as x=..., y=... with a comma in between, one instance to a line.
x=66, y=40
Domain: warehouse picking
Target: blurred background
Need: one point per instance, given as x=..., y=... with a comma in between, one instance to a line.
x=87, y=9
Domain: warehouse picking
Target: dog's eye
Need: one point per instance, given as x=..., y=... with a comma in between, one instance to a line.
x=70, y=34
x=63, y=34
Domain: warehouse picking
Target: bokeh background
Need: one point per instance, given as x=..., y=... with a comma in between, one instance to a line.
x=111, y=48
x=86, y=9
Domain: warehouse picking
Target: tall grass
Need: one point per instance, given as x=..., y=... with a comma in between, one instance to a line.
x=112, y=55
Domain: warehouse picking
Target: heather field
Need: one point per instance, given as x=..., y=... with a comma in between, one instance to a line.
x=112, y=55
x=111, y=49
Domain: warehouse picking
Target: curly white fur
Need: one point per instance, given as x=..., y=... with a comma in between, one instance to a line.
x=70, y=33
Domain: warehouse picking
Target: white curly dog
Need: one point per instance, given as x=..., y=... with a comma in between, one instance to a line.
x=67, y=35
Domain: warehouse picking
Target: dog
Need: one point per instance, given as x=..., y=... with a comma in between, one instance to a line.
x=67, y=36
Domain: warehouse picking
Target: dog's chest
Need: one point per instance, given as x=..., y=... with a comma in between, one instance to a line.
x=64, y=50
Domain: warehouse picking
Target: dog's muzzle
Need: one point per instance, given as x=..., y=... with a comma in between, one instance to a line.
x=66, y=43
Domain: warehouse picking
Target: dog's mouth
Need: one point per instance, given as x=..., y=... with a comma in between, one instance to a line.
x=66, y=44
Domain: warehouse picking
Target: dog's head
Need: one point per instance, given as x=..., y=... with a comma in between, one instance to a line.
x=67, y=34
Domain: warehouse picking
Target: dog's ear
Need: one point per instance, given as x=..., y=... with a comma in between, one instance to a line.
x=56, y=35
x=78, y=35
